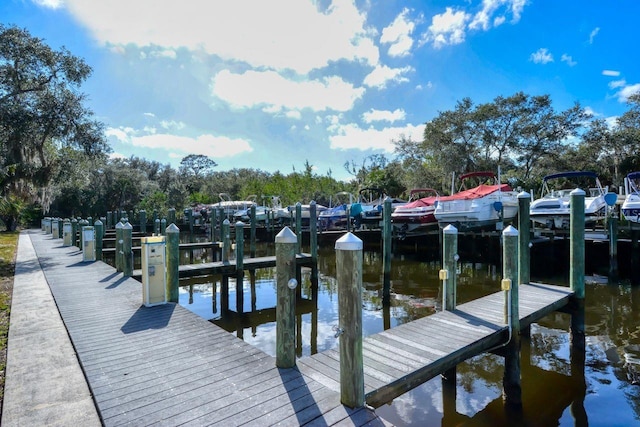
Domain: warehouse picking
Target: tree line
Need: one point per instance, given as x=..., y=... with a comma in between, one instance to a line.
x=54, y=157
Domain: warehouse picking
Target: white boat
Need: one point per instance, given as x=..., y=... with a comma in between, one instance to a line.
x=488, y=205
x=417, y=214
x=305, y=213
x=371, y=201
x=552, y=209
x=631, y=204
x=230, y=207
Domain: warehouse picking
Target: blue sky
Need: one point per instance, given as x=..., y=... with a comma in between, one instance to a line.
x=272, y=84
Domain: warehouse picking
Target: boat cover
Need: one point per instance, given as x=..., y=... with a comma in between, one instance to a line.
x=476, y=193
x=425, y=201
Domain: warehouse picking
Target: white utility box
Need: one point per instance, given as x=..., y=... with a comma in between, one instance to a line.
x=88, y=243
x=154, y=281
x=55, y=228
x=47, y=225
x=67, y=234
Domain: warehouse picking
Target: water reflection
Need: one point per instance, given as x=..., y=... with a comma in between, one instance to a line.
x=558, y=388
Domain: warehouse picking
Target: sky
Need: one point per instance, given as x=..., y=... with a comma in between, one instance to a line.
x=272, y=84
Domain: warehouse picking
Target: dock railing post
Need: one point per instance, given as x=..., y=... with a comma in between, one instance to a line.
x=449, y=267
x=386, y=247
x=173, y=262
x=511, y=385
x=99, y=226
x=226, y=240
x=119, y=251
x=524, y=238
x=313, y=239
x=239, y=265
x=142, y=216
x=213, y=222
x=286, y=242
x=252, y=241
x=163, y=226
x=576, y=272
x=612, y=231
x=171, y=215
x=349, y=281
x=299, y=227
x=127, y=253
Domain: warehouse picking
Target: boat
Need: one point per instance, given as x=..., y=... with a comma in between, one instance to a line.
x=552, y=209
x=417, y=215
x=305, y=213
x=335, y=217
x=264, y=212
x=230, y=207
x=490, y=204
x=631, y=205
x=371, y=200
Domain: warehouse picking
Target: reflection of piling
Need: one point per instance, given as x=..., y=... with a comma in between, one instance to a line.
x=349, y=280
x=386, y=246
x=286, y=243
x=173, y=262
x=512, y=390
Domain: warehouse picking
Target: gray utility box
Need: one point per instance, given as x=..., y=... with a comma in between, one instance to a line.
x=67, y=234
x=154, y=280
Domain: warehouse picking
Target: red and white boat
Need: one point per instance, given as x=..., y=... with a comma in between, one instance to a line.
x=417, y=215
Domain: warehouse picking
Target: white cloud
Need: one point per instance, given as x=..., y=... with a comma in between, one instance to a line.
x=591, y=112
x=398, y=35
x=611, y=73
x=617, y=83
x=542, y=56
x=259, y=33
x=482, y=19
x=207, y=145
x=52, y=4
x=447, y=28
x=593, y=34
x=568, y=59
x=382, y=74
x=269, y=89
x=628, y=90
x=379, y=115
x=351, y=136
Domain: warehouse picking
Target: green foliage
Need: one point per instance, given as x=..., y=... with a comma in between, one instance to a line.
x=11, y=208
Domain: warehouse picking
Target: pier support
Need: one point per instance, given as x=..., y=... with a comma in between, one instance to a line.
x=449, y=267
x=119, y=251
x=239, y=267
x=127, y=252
x=349, y=279
x=386, y=247
x=173, y=262
x=142, y=216
x=313, y=242
x=286, y=242
x=524, y=238
x=511, y=384
x=576, y=218
x=99, y=227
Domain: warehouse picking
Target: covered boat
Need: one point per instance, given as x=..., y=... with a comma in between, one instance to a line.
x=417, y=215
x=631, y=204
x=488, y=205
x=336, y=217
x=552, y=209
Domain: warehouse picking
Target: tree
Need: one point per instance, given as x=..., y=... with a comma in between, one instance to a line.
x=41, y=111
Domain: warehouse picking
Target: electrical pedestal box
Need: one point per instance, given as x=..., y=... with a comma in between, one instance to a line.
x=88, y=243
x=154, y=282
x=55, y=229
x=67, y=234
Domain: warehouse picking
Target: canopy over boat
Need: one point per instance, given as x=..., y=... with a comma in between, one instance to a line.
x=570, y=174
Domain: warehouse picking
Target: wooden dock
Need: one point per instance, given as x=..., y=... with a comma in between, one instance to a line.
x=399, y=359
x=165, y=365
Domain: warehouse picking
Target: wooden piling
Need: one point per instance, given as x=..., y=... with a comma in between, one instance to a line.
x=127, y=252
x=213, y=222
x=448, y=274
x=99, y=227
x=171, y=216
x=524, y=238
x=163, y=226
x=612, y=228
x=252, y=234
x=119, y=251
x=299, y=226
x=386, y=248
x=577, y=220
x=74, y=231
x=349, y=280
x=286, y=243
x=173, y=262
x=239, y=267
x=511, y=384
x=226, y=240
x=313, y=240
x=142, y=216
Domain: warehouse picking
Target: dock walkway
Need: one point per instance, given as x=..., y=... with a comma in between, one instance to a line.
x=164, y=365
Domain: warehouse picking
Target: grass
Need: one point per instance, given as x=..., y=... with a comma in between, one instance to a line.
x=8, y=249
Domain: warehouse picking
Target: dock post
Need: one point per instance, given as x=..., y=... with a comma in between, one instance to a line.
x=226, y=240
x=109, y=222
x=173, y=261
x=349, y=281
x=524, y=238
x=252, y=241
x=127, y=253
x=286, y=242
x=511, y=384
x=449, y=267
x=299, y=227
x=313, y=239
x=156, y=227
x=99, y=226
x=142, y=216
x=163, y=226
x=213, y=221
x=171, y=215
x=386, y=247
x=612, y=231
x=74, y=231
x=576, y=272
x=239, y=266
x=119, y=252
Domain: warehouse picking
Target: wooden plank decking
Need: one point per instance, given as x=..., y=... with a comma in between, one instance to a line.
x=165, y=365
x=401, y=358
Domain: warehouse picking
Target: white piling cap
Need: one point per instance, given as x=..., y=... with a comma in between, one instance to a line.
x=524, y=195
x=450, y=229
x=510, y=231
x=239, y=224
x=578, y=192
x=127, y=226
x=172, y=228
x=286, y=236
x=349, y=242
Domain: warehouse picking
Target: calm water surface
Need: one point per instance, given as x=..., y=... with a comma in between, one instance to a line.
x=552, y=394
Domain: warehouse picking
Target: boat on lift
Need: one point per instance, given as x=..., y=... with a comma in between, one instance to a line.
x=631, y=205
x=417, y=215
x=371, y=200
x=338, y=216
x=490, y=204
x=552, y=209
x=230, y=207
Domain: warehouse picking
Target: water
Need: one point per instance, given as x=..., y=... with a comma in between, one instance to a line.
x=553, y=392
